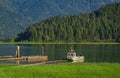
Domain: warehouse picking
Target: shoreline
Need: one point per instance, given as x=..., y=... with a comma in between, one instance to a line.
x=59, y=42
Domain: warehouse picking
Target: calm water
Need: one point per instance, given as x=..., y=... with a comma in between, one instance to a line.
x=92, y=52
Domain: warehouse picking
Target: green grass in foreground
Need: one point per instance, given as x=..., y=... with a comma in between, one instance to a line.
x=63, y=70
x=7, y=65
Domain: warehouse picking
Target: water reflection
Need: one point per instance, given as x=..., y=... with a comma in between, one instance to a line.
x=92, y=52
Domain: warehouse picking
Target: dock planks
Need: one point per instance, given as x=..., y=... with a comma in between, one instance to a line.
x=25, y=58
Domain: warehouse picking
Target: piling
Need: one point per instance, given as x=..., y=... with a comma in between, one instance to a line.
x=17, y=51
x=43, y=51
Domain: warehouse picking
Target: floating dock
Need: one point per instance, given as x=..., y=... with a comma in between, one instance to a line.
x=24, y=58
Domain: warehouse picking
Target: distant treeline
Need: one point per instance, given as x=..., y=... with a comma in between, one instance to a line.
x=100, y=25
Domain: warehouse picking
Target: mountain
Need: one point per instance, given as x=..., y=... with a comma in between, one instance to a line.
x=11, y=22
x=100, y=25
x=16, y=15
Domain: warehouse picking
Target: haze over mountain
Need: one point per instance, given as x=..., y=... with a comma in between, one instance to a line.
x=16, y=15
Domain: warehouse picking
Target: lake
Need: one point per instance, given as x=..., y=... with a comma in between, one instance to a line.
x=92, y=52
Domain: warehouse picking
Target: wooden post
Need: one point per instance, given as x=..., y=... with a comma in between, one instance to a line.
x=17, y=51
x=42, y=51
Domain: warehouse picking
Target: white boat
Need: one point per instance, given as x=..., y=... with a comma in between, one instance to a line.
x=71, y=56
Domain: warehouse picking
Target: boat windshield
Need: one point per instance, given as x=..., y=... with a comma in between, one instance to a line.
x=71, y=54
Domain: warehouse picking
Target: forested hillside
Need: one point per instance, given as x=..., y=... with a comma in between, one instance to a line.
x=16, y=15
x=100, y=25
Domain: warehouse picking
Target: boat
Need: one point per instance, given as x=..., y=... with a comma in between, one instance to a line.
x=71, y=56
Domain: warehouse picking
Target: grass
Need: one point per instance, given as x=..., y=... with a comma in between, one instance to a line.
x=7, y=65
x=63, y=70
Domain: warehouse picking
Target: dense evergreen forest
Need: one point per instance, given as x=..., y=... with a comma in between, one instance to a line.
x=100, y=25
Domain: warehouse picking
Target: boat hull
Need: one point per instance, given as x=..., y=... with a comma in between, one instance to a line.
x=77, y=59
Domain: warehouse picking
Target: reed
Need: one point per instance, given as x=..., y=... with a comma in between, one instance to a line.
x=63, y=70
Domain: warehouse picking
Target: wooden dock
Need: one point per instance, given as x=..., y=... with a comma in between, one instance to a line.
x=23, y=58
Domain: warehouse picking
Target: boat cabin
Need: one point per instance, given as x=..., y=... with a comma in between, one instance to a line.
x=71, y=54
